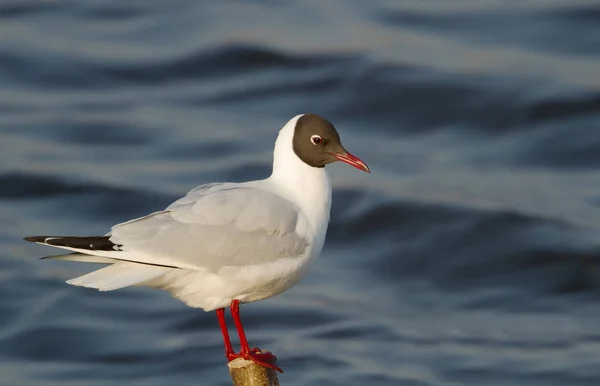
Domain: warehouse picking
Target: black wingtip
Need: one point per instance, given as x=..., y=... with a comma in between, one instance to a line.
x=90, y=243
x=35, y=239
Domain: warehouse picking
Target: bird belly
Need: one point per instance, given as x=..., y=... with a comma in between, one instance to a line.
x=212, y=290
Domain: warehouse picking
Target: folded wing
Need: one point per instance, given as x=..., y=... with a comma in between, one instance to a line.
x=215, y=226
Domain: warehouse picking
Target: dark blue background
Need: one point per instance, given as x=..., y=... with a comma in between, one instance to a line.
x=470, y=256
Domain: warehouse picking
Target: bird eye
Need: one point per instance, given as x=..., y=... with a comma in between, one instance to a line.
x=316, y=140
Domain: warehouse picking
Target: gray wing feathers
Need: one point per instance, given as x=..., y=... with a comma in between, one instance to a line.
x=81, y=257
x=118, y=275
x=216, y=226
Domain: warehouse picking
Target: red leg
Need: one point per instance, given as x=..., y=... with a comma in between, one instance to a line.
x=228, y=348
x=264, y=359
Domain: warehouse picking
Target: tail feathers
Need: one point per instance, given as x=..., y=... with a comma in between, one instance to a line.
x=119, y=275
x=91, y=243
x=81, y=258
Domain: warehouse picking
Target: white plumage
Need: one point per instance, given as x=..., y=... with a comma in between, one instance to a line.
x=246, y=241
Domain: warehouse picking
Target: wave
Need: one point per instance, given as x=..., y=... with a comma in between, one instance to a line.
x=459, y=249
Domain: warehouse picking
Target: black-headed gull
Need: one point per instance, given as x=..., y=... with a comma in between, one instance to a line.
x=227, y=243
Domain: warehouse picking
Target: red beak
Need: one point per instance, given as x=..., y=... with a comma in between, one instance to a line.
x=352, y=161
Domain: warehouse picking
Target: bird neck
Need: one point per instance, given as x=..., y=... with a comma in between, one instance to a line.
x=308, y=187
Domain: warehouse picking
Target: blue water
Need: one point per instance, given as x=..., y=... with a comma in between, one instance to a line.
x=470, y=256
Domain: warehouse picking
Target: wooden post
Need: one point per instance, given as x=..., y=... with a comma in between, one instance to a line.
x=248, y=373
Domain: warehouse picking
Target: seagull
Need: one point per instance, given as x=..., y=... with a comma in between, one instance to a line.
x=226, y=243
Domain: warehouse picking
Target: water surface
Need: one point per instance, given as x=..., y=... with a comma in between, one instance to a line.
x=469, y=256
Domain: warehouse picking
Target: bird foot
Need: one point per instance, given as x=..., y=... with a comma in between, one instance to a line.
x=265, y=359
